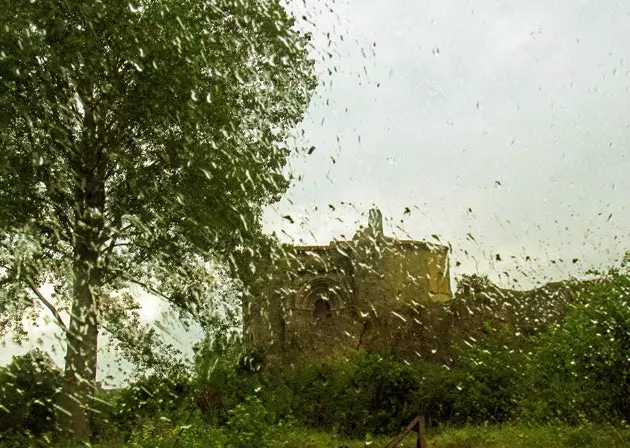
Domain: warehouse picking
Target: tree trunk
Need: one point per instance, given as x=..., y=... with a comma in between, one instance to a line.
x=80, y=369
x=82, y=338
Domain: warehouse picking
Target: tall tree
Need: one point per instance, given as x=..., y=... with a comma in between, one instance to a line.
x=138, y=140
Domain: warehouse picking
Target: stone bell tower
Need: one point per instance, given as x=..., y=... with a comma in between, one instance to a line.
x=375, y=221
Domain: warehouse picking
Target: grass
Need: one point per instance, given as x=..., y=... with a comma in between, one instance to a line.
x=504, y=436
x=532, y=436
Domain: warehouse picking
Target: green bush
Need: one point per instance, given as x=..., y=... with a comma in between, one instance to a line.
x=485, y=382
x=581, y=372
x=165, y=394
x=251, y=425
x=390, y=388
x=316, y=391
x=29, y=386
x=438, y=393
x=159, y=433
x=490, y=379
x=225, y=375
x=365, y=393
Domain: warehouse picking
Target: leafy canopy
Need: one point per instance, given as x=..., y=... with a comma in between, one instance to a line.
x=145, y=136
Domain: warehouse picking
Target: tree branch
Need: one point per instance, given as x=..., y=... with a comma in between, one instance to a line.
x=115, y=235
x=147, y=287
x=48, y=305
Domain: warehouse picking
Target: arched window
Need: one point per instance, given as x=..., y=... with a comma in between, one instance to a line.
x=322, y=309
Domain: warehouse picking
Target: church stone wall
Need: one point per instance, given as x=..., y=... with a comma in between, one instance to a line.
x=373, y=292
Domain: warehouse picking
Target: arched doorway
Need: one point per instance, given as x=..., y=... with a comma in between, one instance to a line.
x=322, y=309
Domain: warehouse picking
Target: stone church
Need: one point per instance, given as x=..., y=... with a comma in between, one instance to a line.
x=373, y=292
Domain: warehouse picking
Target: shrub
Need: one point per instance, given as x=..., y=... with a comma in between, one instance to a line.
x=325, y=396
x=390, y=388
x=365, y=393
x=167, y=394
x=490, y=383
x=29, y=386
x=225, y=374
x=158, y=433
x=438, y=393
x=251, y=425
x=582, y=369
x=484, y=384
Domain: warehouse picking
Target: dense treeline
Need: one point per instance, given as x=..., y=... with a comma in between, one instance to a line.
x=577, y=371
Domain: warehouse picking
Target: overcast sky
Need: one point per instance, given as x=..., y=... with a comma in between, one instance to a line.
x=518, y=111
x=502, y=121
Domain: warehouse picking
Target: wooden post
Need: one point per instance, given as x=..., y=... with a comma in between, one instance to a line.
x=394, y=443
x=421, y=442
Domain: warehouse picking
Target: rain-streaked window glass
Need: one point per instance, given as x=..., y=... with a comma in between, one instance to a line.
x=265, y=223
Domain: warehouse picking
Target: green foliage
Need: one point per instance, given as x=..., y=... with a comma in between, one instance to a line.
x=582, y=369
x=489, y=379
x=390, y=388
x=160, y=433
x=469, y=284
x=169, y=396
x=438, y=393
x=367, y=393
x=225, y=375
x=251, y=425
x=28, y=388
x=484, y=383
x=188, y=118
x=140, y=140
x=314, y=391
x=526, y=436
x=577, y=372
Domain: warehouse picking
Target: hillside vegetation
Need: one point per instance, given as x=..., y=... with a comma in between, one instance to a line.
x=564, y=383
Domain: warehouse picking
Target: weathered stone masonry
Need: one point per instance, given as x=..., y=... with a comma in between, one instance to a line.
x=373, y=292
